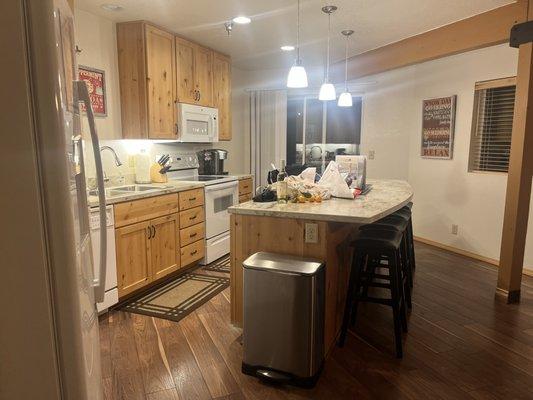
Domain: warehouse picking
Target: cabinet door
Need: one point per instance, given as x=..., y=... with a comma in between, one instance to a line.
x=164, y=246
x=203, y=75
x=133, y=257
x=160, y=76
x=185, y=71
x=222, y=94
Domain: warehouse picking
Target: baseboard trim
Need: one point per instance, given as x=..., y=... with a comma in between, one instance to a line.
x=469, y=254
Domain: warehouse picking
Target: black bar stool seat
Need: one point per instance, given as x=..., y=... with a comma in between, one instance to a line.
x=373, y=249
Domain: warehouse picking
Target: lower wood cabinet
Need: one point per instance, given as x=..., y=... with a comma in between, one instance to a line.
x=164, y=246
x=133, y=257
x=146, y=251
x=193, y=252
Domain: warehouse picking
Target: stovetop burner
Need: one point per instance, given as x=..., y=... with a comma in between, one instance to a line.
x=208, y=178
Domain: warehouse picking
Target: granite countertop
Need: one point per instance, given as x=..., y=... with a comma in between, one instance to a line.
x=243, y=176
x=386, y=196
x=165, y=188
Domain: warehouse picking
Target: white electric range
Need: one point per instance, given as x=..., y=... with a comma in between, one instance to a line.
x=221, y=192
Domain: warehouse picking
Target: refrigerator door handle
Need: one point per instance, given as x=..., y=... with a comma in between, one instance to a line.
x=99, y=281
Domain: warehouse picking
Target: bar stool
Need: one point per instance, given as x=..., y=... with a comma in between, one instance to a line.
x=371, y=247
x=397, y=224
x=406, y=213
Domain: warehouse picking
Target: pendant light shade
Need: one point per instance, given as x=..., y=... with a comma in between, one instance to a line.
x=327, y=90
x=297, y=77
x=345, y=99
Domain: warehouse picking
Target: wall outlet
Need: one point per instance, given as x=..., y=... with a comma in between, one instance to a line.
x=371, y=154
x=455, y=229
x=311, y=233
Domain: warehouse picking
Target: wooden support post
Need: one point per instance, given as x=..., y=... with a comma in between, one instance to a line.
x=519, y=179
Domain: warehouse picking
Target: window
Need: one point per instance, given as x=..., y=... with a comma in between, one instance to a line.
x=317, y=131
x=492, y=125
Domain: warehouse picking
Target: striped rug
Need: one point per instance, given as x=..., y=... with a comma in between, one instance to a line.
x=179, y=297
x=220, y=265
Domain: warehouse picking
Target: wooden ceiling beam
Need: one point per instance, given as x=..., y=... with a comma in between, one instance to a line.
x=483, y=30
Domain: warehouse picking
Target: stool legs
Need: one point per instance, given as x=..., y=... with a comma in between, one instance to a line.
x=351, y=296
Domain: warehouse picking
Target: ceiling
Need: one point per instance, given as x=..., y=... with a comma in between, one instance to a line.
x=256, y=46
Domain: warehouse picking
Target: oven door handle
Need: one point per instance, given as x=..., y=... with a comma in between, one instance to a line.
x=221, y=186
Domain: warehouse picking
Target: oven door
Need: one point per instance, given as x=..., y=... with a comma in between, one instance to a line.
x=217, y=200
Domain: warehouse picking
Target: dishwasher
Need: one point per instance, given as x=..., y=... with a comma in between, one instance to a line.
x=111, y=291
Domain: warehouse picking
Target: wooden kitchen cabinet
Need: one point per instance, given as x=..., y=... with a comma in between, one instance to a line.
x=194, y=73
x=160, y=83
x=157, y=70
x=164, y=246
x=146, y=252
x=222, y=94
x=133, y=257
x=147, y=73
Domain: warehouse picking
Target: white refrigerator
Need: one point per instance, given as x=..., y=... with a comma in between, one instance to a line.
x=49, y=337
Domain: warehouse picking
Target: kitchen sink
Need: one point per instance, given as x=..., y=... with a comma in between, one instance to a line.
x=127, y=189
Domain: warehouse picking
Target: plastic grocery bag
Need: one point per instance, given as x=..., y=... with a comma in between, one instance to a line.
x=332, y=180
x=308, y=174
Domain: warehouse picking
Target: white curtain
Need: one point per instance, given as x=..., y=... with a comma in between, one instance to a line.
x=268, y=131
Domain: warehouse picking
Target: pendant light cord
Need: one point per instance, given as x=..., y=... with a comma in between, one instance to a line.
x=298, y=34
x=327, y=61
x=346, y=65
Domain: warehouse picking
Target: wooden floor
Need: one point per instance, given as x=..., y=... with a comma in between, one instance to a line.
x=462, y=344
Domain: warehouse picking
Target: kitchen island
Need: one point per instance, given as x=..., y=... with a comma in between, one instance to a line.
x=280, y=228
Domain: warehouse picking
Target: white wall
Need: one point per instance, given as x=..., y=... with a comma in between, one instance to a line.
x=96, y=37
x=445, y=192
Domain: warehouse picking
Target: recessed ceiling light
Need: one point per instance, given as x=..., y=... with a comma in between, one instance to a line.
x=287, y=48
x=111, y=7
x=242, y=20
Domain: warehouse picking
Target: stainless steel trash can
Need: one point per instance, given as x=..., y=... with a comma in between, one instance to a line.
x=283, y=320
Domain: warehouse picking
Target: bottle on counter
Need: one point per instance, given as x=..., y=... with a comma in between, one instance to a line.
x=281, y=186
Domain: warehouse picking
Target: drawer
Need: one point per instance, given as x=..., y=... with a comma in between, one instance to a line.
x=245, y=186
x=192, y=253
x=131, y=212
x=191, y=198
x=191, y=217
x=192, y=234
x=245, y=197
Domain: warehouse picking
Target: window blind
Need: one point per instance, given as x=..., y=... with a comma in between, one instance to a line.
x=492, y=125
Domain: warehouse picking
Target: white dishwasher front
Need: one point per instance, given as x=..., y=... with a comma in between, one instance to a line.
x=111, y=291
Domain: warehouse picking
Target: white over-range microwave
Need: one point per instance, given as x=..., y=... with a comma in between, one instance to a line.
x=197, y=124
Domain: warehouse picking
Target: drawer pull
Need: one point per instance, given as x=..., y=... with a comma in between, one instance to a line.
x=193, y=235
x=192, y=198
x=194, y=252
x=191, y=218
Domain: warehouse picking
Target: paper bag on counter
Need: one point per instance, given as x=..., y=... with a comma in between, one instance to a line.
x=332, y=180
x=308, y=174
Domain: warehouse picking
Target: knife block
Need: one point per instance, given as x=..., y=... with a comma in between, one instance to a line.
x=155, y=176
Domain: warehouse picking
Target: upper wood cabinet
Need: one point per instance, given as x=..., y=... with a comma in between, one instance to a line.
x=222, y=94
x=157, y=70
x=160, y=78
x=147, y=81
x=194, y=73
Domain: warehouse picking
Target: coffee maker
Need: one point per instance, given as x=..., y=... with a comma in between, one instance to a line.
x=211, y=161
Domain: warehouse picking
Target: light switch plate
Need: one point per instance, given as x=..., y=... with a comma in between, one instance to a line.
x=311, y=233
x=371, y=154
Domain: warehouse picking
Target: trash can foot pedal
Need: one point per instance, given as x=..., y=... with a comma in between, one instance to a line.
x=273, y=376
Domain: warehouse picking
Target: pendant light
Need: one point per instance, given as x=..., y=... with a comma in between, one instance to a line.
x=297, y=77
x=345, y=99
x=327, y=90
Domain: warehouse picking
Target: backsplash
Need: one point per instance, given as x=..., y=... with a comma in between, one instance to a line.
x=125, y=150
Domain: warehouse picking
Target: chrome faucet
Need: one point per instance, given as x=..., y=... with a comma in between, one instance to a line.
x=118, y=163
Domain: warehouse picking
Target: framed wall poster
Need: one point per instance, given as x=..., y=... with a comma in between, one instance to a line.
x=438, y=125
x=95, y=80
